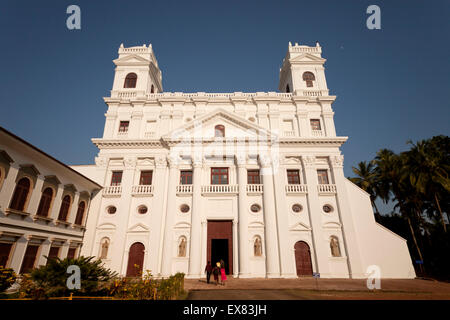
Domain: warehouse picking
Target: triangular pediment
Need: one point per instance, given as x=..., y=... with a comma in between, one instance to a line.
x=299, y=226
x=236, y=128
x=131, y=60
x=307, y=58
x=139, y=227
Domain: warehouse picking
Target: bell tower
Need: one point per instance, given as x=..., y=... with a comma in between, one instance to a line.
x=137, y=70
x=303, y=70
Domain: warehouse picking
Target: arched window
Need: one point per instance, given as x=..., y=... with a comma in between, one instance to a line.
x=44, y=204
x=287, y=88
x=257, y=247
x=64, y=210
x=334, y=246
x=152, y=89
x=219, y=131
x=80, y=213
x=104, y=247
x=130, y=80
x=20, y=195
x=309, y=78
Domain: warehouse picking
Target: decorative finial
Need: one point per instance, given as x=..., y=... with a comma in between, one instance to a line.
x=121, y=45
x=290, y=44
x=144, y=45
x=317, y=44
x=296, y=44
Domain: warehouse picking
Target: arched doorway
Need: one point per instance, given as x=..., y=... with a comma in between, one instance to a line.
x=303, y=259
x=135, y=259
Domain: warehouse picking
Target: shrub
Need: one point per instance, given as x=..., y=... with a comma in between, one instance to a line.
x=7, y=278
x=50, y=280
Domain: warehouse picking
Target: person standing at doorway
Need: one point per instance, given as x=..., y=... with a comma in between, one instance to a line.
x=216, y=271
x=208, y=270
x=223, y=276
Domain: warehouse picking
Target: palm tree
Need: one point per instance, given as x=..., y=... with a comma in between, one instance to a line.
x=427, y=172
x=366, y=179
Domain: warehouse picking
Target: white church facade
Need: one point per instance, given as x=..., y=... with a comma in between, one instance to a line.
x=254, y=179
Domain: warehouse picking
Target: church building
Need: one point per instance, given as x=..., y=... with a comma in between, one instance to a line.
x=254, y=179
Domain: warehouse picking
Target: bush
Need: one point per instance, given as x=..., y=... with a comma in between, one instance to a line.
x=50, y=280
x=7, y=278
x=147, y=288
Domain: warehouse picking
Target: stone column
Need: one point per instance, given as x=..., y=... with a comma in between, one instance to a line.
x=56, y=205
x=44, y=250
x=73, y=208
x=35, y=196
x=235, y=250
x=350, y=241
x=204, y=242
x=243, y=218
x=19, y=252
x=9, y=184
x=328, y=124
x=135, y=125
x=156, y=219
x=270, y=220
x=321, y=246
x=196, y=218
x=170, y=217
x=287, y=268
x=110, y=122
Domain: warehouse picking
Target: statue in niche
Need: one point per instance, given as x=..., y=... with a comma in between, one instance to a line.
x=257, y=247
x=334, y=246
x=104, y=251
x=182, y=248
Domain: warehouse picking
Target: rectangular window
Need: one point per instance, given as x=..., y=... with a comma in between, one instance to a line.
x=123, y=127
x=253, y=177
x=315, y=124
x=293, y=176
x=219, y=175
x=146, y=178
x=186, y=177
x=322, y=175
x=116, y=178
x=5, y=251
x=71, y=253
x=29, y=259
x=53, y=253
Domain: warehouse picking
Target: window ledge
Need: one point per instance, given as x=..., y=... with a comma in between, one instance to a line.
x=65, y=223
x=23, y=214
x=38, y=217
x=77, y=226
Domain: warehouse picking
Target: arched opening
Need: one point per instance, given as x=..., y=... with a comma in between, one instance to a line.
x=334, y=246
x=182, y=247
x=257, y=247
x=309, y=78
x=80, y=213
x=288, y=89
x=44, y=204
x=219, y=131
x=20, y=195
x=64, y=210
x=152, y=89
x=135, y=260
x=104, y=247
x=130, y=80
x=303, y=259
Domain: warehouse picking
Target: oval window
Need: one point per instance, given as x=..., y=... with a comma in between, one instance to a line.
x=142, y=209
x=327, y=208
x=111, y=209
x=184, y=208
x=255, y=208
x=297, y=208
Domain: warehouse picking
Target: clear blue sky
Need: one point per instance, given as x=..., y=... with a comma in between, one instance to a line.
x=391, y=84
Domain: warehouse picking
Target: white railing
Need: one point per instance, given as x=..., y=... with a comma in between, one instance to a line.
x=184, y=188
x=112, y=191
x=305, y=49
x=326, y=188
x=127, y=94
x=122, y=134
x=288, y=133
x=312, y=93
x=296, y=188
x=226, y=95
x=254, y=188
x=220, y=188
x=150, y=134
x=142, y=189
x=317, y=133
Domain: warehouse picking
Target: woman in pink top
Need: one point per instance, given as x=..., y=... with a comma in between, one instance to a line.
x=223, y=276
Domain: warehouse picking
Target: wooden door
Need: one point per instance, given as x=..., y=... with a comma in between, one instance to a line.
x=29, y=259
x=135, y=260
x=303, y=259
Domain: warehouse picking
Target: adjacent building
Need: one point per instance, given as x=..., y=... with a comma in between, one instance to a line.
x=44, y=205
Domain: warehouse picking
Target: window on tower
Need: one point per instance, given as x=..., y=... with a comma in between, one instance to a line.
x=315, y=124
x=116, y=178
x=146, y=178
x=130, y=80
x=287, y=88
x=309, y=78
x=219, y=175
x=186, y=177
x=253, y=177
x=322, y=176
x=123, y=126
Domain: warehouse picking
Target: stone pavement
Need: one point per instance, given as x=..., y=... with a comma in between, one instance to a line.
x=303, y=288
